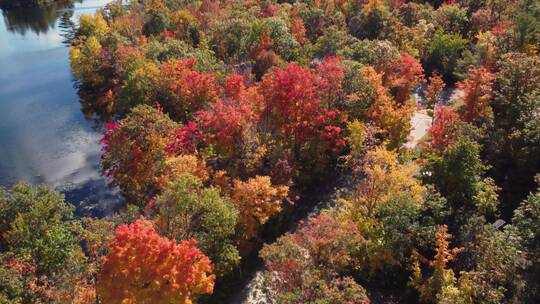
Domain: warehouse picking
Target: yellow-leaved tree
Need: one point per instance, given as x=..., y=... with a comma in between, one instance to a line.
x=85, y=61
x=392, y=119
x=257, y=200
x=385, y=179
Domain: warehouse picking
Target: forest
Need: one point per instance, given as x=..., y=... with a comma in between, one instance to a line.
x=228, y=121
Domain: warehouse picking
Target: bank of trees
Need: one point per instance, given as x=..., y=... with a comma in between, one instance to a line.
x=227, y=113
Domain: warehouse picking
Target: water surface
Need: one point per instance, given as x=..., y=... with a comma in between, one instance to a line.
x=44, y=136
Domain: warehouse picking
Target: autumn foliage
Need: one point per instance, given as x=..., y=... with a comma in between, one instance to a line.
x=135, y=151
x=434, y=90
x=293, y=105
x=304, y=267
x=391, y=118
x=185, y=139
x=443, y=130
x=477, y=94
x=257, y=200
x=442, y=277
x=405, y=74
x=385, y=180
x=188, y=89
x=177, y=165
x=143, y=267
x=224, y=121
x=235, y=115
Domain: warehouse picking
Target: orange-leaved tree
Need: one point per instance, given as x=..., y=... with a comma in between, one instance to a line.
x=392, y=119
x=477, y=94
x=404, y=74
x=257, y=200
x=176, y=165
x=434, y=89
x=442, y=280
x=144, y=267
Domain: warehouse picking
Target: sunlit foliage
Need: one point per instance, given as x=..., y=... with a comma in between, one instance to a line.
x=385, y=180
x=443, y=131
x=135, y=152
x=305, y=266
x=477, y=95
x=186, y=210
x=236, y=114
x=143, y=266
x=394, y=120
x=442, y=282
x=85, y=61
x=257, y=200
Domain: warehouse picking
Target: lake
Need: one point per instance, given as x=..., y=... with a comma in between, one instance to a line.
x=44, y=135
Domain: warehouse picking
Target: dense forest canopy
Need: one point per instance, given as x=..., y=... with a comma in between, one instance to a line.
x=224, y=116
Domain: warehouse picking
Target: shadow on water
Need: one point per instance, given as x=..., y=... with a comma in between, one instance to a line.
x=38, y=20
x=92, y=198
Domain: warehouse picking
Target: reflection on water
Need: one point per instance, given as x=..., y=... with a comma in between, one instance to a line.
x=36, y=20
x=44, y=136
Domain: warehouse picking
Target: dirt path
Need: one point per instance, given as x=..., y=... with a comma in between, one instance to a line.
x=420, y=124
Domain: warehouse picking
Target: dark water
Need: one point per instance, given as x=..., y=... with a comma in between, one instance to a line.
x=44, y=136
